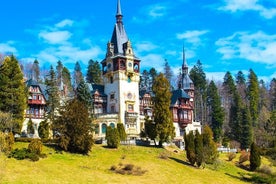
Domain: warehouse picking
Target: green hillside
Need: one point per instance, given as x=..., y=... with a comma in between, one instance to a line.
x=160, y=166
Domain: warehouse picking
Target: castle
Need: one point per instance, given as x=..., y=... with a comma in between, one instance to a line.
x=119, y=99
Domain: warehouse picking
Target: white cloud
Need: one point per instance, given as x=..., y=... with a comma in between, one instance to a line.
x=192, y=36
x=145, y=46
x=55, y=37
x=257, y=47
x=248, y=5
x=157, y=11
x=153, y=61
x=64, y=23
x=7, y=48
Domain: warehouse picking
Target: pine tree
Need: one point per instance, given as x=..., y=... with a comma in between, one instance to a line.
x=255, y=158
x=66, y=76
x=253, y=95
x=53, y=95
x=161, y=105
x=228, y=90
x=241, y=85
x=168, y=72
x=235, y=122
x=74, y=127
x=13, y=93
x=112, y=137
x=272, y=94
x=198, y=77
x=190, y=147
x=150, y=129
x=198, y=148
x=93, y=75
x=145, y=83
x=217, y=113
x=246, y=129
x=84, y=95
x=77, y=75
x=121, y=131
x=210, y=153
x=59, y=69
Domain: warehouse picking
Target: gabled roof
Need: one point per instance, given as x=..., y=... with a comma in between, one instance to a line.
x=178, y=94
x=143, y=92
x=32, y=82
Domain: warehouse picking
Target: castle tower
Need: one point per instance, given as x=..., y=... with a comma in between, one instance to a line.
x=120, y=70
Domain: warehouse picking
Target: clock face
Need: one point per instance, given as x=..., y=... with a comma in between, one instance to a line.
x=129, y=64
x=129, y=95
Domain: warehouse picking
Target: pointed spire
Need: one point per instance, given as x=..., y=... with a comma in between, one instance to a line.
x=184, y=65
x=119, y=14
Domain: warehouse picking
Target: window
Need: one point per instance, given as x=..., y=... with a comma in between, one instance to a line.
x=104, y=128
x=112, y=125
x=111, y=80
x=130, y=107
x=112, y=97
x=112, y=109
x=128, y=79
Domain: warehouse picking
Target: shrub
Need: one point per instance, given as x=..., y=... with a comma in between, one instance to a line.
x=231, y=156
x=112, y=137
x=121, y=131
x=129, y=169
x=6, y=142
x=255, y=157
x=20, y=154
x=35, y=146
x=243, y=157
x=43, y=130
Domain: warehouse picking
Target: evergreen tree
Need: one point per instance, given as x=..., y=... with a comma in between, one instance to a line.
x=228, y=90
x=190, y=147
x=121, y=131
x=161, y=106
x=13, y=93
x=241, y=85
x=53, y=95
x=246, y=129
x=94, y=72
x=112, y=137
x=198, y=77
x=59, y=69
x=66, y=76
x=272, y=94
x=145, y=83
x=150, y=129
x=168, y=72
x=210, y=153
x=235, y=122
x=77, y=75
x=198, y=148
x=30, y=127
x=6, y=122
x=217, y=113
x=255, y=157
x=43, y=130
x=36, y=71
x=84, y=95
x=153, y=74
x=74, y=127
x=253, y=95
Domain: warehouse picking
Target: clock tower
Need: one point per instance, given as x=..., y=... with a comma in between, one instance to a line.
x=120, y=70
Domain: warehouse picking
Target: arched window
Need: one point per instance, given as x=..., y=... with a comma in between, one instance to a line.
x=104, y=128
x=112, y=125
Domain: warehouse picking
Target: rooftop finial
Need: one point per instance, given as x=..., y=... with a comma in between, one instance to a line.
x=184, y=58
x=119, y=12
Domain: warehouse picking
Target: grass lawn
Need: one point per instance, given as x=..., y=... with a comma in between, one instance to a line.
x=95, y=168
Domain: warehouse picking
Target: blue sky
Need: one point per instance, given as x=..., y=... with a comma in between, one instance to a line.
x=226, y=35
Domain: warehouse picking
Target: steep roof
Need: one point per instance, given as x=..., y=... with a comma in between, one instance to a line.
x=97, y=87
x=32, y=82
x=119, y=36
x=178, y=94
